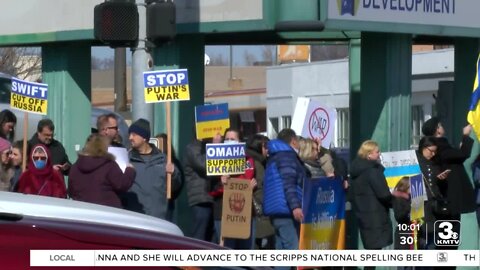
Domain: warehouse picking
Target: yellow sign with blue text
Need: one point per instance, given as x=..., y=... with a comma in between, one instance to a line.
x=166, y=85
x=211, y=120
x=29, y=96
x=225, y=158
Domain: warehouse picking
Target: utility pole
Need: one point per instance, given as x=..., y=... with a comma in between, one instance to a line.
x=141, y=62
x=120, y=83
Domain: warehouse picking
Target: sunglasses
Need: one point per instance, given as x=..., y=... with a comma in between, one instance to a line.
x=39, y=158
x=114, y=128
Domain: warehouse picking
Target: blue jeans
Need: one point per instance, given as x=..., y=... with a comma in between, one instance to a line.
x=287, y=231
x=202, y=221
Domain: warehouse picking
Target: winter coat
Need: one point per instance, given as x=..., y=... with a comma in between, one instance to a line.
x=459, y=189
x=263, y=225
x=197, y=183
x=401, y=211
x=99, y=180
x=314, y=169
x=430, y=170
x=58, y=153
x=283, y=182
x=371, y=202
x=148, y=194
x=46, y=181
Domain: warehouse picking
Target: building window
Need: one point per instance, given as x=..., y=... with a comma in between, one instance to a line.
x=343, y=127
x=417, y=123
x=286, y=122
x=273, y=127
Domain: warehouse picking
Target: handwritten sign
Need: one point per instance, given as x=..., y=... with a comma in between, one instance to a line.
x=314, y=120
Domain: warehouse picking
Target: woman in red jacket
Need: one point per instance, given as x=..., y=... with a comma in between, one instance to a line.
x=40, y=178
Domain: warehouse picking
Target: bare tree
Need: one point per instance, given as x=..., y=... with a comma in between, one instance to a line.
x=21, y=62
x=249, y=58
x=268, y=54
x=218, y=60
x=102, y=63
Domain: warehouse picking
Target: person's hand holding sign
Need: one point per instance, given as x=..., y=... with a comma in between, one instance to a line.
x=169, y=168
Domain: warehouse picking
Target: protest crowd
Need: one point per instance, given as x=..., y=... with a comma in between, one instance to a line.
x=276, y=172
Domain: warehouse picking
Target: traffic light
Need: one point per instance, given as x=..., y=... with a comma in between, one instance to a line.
x=161, y=21
x=116, y=23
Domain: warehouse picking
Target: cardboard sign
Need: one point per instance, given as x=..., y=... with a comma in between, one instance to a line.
x=166, y=85
x=237, y=209
x=211, y=120
x=29, y=96
x=225, y=158
x=314, y=120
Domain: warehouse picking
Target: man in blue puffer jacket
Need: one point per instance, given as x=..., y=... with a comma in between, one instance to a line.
x=283, y=183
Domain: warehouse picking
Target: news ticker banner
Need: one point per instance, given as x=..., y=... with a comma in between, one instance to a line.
x=211, y=120
x=205, y=258
x=29, y=96
x=166, y=85
x=225, y=158
x=324, y=211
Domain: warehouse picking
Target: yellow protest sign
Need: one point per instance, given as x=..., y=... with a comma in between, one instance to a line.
x=237, y=209
x=166, y=85
x=29, y=96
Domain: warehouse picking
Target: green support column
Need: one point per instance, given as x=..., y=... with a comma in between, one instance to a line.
x=466, y=53
x=352, y=235
x=186, y=52
x=67, y=71
x=381, y=110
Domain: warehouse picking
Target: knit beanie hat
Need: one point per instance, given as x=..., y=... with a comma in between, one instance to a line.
x=430, y=126
x=140, y=127
x=4, y=144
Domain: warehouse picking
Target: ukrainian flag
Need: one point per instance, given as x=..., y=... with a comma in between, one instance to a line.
x=473, y=116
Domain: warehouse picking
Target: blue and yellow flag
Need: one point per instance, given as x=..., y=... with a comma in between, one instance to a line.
x=473, y=116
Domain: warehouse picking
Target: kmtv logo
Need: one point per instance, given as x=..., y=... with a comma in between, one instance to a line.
x=447, y=233
x=347, y=7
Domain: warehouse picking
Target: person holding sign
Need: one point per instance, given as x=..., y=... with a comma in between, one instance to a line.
x=233, y=136
x=148, y=195
x=41, y=178
x=6, y=172
x=95, y=177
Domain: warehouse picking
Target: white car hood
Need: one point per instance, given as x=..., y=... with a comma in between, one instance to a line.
x=42, y=206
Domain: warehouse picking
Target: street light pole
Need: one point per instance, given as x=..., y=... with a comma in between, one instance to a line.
x=141, y=62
